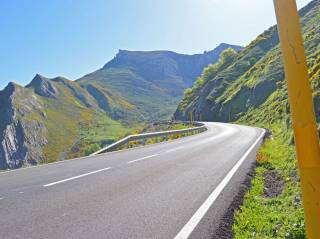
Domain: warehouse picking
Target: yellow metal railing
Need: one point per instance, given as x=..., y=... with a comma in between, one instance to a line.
x=302, y=111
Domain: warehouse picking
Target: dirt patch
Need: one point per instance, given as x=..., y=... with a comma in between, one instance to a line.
x=273, y=184
x=224, y=230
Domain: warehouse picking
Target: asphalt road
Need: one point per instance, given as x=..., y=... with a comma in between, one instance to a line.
x=157, y=191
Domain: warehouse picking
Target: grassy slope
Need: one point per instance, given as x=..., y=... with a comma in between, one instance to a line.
x=254, y=75
x=166, y=127
x=69, y=123
x=281, y=216
x=151, y=101
x=209, y=99
x=153, y=81
x=73, y=129
x=96, y=133
x=278, y=217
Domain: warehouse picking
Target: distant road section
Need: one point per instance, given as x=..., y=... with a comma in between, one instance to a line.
x=166, y=190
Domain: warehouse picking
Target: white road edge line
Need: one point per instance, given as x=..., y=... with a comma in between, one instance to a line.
x=174, y=149
x=199, y=214
x=76, y=177
x=136, y=160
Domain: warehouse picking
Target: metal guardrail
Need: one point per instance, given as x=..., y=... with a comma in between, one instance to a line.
x=200, y=127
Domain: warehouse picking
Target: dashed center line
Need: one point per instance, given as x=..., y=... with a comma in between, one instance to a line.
x=76, y=177
x=21, y=192
x=174, y=149
x=1, y=198
x=136, y=160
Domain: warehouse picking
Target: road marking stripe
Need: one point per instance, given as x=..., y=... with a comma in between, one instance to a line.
x=1, y=198
x=76, y=177
x=21, y=192
x=136, y=160
x=175, y=149
x=199, y=214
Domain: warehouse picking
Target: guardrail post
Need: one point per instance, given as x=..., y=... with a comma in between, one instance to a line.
x=302, y=111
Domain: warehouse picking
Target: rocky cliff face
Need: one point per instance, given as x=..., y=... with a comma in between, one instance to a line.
x=42, y=86
x=21, y=140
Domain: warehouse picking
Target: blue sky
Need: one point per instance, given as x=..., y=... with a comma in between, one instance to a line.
x=74, y=37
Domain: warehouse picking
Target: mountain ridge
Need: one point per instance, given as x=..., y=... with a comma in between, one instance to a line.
x=159, y=76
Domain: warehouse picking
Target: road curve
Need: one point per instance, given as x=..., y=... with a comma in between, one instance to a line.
x=156, y=191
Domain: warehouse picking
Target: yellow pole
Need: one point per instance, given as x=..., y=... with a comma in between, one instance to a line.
x=302, y=111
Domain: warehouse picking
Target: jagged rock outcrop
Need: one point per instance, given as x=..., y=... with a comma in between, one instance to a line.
x=99, y=96
x=42, y=86
x=21, y=139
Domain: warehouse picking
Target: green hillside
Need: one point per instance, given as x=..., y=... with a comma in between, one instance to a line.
x=253, y=79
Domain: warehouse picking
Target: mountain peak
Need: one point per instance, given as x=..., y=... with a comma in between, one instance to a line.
x=10, y=88
x=223, y=46
x=40, y=77
x=43, y=86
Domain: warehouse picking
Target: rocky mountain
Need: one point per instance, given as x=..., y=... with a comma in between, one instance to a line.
x=56, y=119
x=250, y=84
x=153, y=81
x=49, y=118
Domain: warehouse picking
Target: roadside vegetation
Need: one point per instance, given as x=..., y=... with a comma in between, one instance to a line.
x=225, y=59
x=165, y=126
x=96, y=133
x=272, y=208
x=157, y=127
x=102, y=131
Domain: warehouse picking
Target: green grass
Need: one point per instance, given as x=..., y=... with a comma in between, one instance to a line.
x=165, y=127
x=156, y=128
x=63, y=116
x=102, y=129
x=97, y=132
x=279, y=217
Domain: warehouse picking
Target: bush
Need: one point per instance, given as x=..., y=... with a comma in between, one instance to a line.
x=91, y=149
